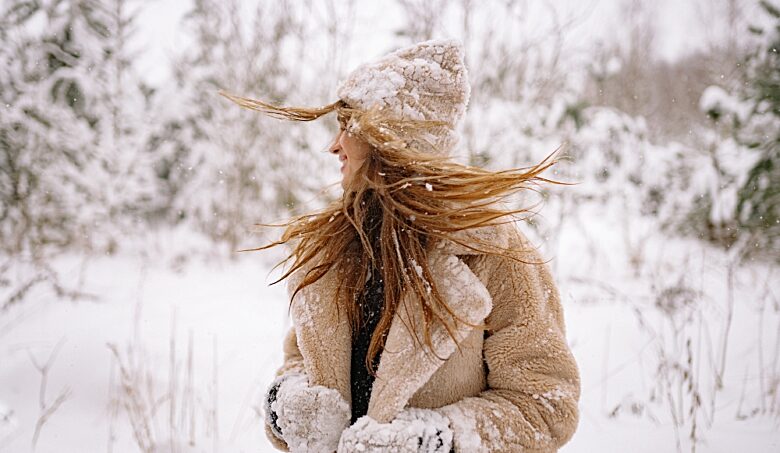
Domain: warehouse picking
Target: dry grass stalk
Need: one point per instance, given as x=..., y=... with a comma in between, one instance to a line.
x=46, y=410
x=170, y=407
x=131, y=398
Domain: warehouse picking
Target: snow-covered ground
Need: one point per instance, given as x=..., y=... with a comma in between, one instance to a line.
x=199, y=343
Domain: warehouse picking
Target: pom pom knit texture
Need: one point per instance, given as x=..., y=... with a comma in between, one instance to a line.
x=425, y=81
x=514, y=389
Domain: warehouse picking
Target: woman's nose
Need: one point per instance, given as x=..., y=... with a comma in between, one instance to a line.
x=335, y=146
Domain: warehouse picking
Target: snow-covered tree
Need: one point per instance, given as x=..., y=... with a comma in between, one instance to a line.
x=745, y=147
x=69, y=130
x=123, y=172
x=758, y=204
x=45, y=133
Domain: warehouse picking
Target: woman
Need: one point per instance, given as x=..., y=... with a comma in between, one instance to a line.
x=424, y=321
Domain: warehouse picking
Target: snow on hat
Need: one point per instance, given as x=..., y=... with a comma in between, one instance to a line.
x=424, y=81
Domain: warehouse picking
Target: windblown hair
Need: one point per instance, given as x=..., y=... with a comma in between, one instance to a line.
x=395, y=205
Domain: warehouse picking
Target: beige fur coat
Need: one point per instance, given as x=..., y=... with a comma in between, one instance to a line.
x=512, y=388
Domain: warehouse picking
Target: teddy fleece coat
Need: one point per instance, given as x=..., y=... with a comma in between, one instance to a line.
x=512, y=387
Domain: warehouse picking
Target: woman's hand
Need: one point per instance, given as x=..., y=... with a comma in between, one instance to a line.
x=307, y=418
x=413, y=431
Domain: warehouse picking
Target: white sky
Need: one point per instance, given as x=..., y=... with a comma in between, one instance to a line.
x=683, y=26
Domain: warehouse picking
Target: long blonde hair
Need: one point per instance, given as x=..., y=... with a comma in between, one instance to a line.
x=417, y=196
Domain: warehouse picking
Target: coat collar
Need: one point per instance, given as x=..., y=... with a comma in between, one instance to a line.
x=405, y=366
x=325, y=341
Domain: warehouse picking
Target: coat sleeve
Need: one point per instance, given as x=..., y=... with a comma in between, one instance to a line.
x=293, y=361
x=293, y=364
x=533, y=384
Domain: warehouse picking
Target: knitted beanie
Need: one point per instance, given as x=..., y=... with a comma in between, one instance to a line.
x=424, y=81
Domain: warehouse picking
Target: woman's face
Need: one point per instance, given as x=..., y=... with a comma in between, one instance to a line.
x=352, y=152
